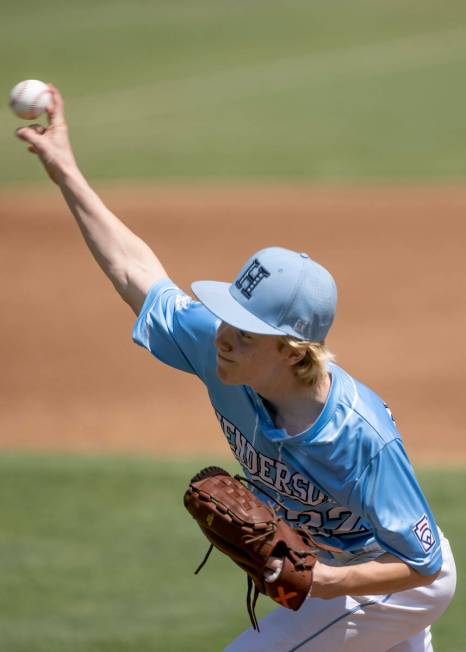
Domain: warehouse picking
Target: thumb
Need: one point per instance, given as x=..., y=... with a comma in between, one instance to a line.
x=32, y=134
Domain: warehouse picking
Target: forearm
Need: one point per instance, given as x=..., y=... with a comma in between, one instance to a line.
x=385, y=575
x=128, y=262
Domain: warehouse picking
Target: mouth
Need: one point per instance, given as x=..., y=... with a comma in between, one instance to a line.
x=221, y=357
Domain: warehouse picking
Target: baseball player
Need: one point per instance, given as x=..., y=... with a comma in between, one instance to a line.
x=301, y=427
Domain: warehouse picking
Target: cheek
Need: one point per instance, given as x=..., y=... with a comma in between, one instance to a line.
x=259, y=364
x=269, y=366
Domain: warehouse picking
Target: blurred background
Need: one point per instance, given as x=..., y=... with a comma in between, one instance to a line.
x=310, y=91
x=213, y=129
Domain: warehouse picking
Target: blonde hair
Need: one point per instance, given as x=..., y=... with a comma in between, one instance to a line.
x=313, y=365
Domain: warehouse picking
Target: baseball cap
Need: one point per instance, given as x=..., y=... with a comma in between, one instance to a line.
x=277, y=292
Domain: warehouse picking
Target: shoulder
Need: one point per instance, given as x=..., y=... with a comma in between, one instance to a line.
x=365, y=409
x=176, y=329
x=354, y=428
x=166, y=302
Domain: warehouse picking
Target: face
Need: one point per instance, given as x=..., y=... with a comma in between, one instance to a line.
x=246, y=358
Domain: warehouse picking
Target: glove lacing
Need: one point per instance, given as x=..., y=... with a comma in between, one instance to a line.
x=251, y=600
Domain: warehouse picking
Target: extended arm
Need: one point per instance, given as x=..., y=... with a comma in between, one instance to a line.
x=128, y=262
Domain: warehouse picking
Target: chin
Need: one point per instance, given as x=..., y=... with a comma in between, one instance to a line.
x=225, y=377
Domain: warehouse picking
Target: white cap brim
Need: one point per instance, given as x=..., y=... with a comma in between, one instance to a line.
x=216, y=297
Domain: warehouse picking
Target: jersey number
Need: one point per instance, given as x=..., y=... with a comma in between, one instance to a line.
x=336, y=521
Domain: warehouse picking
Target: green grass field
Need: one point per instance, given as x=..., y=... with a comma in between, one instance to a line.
x=97, y=554
x=261, y=90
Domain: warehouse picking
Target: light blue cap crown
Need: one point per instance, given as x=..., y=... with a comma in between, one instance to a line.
x=277, y=292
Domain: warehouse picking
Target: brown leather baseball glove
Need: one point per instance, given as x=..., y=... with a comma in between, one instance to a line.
x=236, y=522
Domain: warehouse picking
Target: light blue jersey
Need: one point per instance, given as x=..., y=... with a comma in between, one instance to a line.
x=347, y=478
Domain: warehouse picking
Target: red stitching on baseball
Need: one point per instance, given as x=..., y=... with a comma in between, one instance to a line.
x=35, y=101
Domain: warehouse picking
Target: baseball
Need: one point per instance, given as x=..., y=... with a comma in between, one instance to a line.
x=29, y=98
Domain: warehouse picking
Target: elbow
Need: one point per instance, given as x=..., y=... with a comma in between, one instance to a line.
x=118, y=274
x=427, y=580
x=130, y=293
x=122, y=282
x=432, y=578
x=132, y=287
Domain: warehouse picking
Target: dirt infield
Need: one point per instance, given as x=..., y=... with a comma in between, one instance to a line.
x=72, y=379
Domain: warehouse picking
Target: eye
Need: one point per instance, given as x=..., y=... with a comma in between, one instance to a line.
x=245, y=335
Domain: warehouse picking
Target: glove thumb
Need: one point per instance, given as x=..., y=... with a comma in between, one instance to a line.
x=32, y=135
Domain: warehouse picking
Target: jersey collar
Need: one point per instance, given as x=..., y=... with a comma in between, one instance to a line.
x=271, y=432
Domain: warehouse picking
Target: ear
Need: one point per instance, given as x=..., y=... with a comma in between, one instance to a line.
x=291, y=355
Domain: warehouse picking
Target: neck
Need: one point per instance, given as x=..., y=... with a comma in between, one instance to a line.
x=296, y=407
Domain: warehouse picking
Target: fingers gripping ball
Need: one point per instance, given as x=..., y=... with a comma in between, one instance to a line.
x=238, y=524
x=30, y=98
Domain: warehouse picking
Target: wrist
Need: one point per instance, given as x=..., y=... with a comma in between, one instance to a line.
x=68, y=175
x=328, y=581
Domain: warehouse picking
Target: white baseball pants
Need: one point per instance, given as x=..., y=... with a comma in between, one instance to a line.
x=399, y=622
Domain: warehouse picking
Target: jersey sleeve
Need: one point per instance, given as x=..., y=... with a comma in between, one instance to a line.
x=388, y=496
x=176, y=329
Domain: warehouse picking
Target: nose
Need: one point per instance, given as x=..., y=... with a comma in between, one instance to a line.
x=224, y=338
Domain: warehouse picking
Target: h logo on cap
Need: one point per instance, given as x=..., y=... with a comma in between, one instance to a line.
x=251, y=278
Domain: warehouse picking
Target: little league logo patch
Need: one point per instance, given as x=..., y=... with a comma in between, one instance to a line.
x=423, y=532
